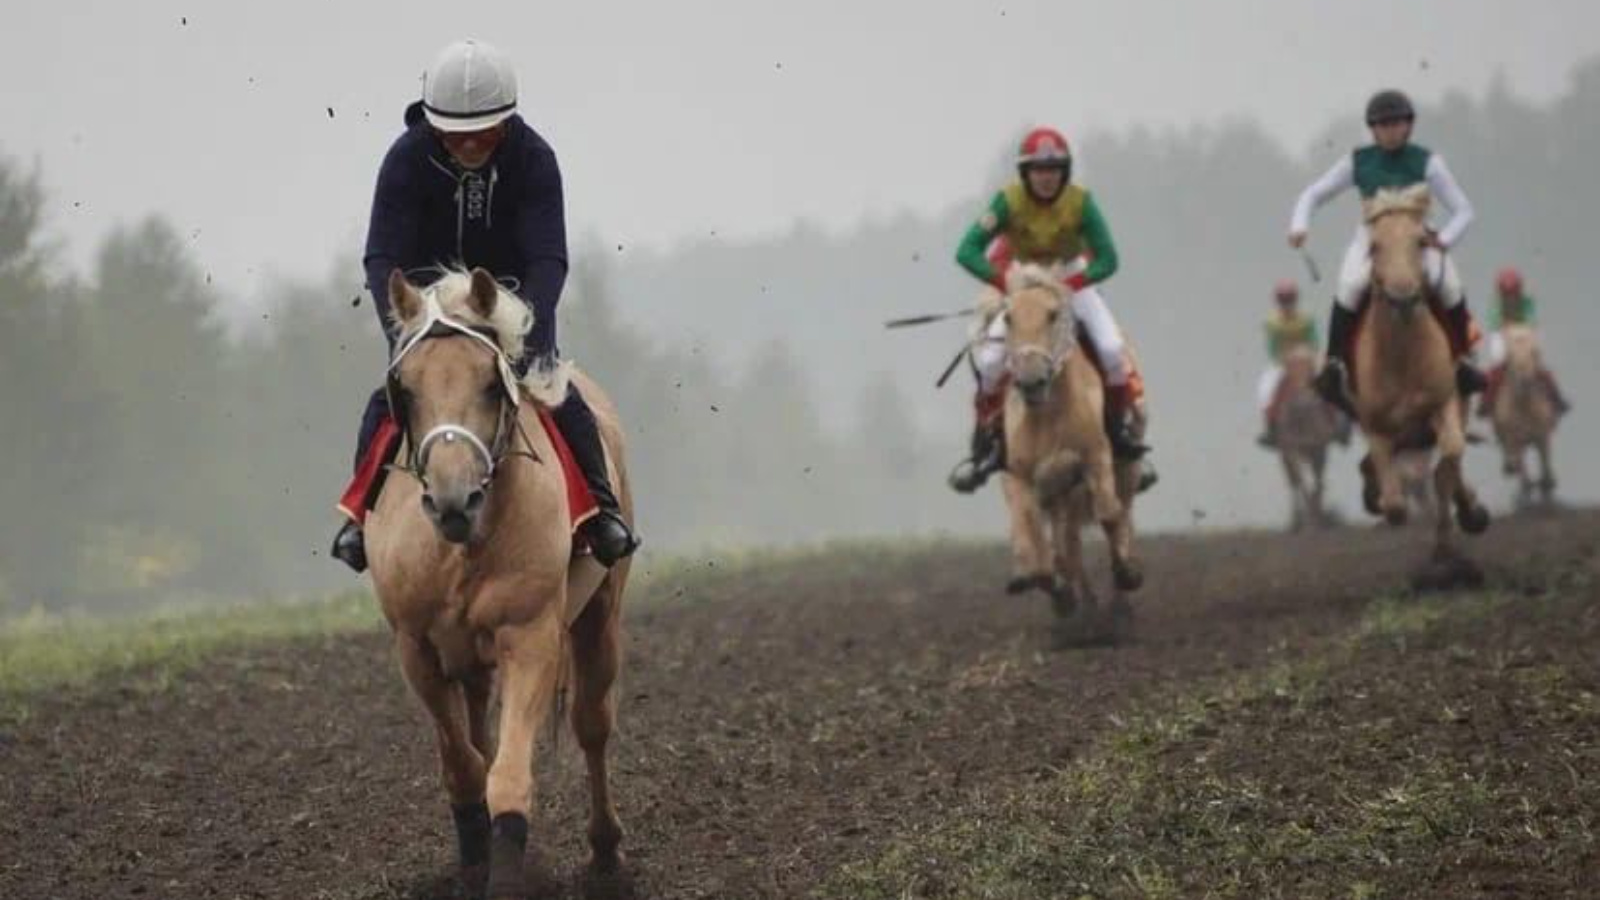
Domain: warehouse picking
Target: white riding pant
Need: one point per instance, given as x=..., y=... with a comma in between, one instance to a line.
x=1355, y=273
x=1267, y=386
x=1496, y=348
x=1088, y=307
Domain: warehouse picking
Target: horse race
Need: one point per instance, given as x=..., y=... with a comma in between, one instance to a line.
x=795, y=450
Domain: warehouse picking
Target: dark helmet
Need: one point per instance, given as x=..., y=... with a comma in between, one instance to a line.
x=1390, y=106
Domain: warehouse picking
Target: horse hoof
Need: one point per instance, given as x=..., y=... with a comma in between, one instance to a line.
x=1128, y=576
x=1395, y=515
x=1063, y=599
x=1019, y=584
x=1473, y=519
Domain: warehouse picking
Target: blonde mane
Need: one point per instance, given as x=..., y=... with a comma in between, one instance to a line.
x=1413, y=200
x=1022, y=276
x=512, y=319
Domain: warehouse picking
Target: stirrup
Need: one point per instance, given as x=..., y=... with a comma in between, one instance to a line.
x=971, y=474
x=1148, y=476
x=610, y=538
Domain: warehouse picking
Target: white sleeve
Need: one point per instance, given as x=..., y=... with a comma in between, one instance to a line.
x=1443, y=184
x=1334, y=182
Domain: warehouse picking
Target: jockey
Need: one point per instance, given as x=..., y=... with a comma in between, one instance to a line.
x=1390, y=162
x=1286, y=328
x=1044, y=218
x=469, y=183
x=1516, y=307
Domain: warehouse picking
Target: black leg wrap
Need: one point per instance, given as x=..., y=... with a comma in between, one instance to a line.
x=472, y=833
x=508, y=843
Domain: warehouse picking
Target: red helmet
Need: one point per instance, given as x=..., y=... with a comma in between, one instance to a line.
x=1286, y=291
x=1044, y=147
x=1509, y=281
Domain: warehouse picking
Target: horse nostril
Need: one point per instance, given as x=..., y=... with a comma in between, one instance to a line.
x=475, y=501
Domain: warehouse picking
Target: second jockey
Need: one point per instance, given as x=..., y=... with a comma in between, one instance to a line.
x=1516, y=307
x=470, y=184
x=1391, y=162
x=1287, y=327
x=1044, y=218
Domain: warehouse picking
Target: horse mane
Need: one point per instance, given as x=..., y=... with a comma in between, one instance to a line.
x=1413, y=200
x=448, y=297
x=1022, y=276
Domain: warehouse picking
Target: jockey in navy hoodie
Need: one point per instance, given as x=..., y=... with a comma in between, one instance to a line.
x=470, y=184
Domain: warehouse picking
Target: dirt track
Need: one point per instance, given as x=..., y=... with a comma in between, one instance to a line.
x=772, y=728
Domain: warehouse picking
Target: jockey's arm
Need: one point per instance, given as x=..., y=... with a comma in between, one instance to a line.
x=1443, y=185
x=1103, y=260
x=972, y=254
x=392, y=235
x=1335, y=181
x=1272, y=341
x=542, y=234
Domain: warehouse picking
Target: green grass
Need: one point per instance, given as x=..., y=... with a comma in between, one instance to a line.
x=42, y=652
x=1190, y=797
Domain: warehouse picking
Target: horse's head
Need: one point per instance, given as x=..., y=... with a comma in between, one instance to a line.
x=452, y=390
x=1397, y=223
x=1522, y=353
x=1040, y=330
x=1299, y=365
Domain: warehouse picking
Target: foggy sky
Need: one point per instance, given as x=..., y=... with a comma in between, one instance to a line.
x=674, y=120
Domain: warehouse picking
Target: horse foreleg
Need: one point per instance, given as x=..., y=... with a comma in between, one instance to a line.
x=1115, y=519
x=1028, y=562
x=1291, y=472
x=1547, y=474
x=1070, y=580
x=528, y=655
x=461, y=762
x=1391, y=502
x=596, y=658
x=1450, y=481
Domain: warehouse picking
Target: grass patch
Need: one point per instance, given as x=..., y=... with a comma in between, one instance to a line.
x=1438, y=750
x=45, y=652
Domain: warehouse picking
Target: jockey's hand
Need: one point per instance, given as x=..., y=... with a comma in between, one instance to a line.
x=1297, y=239
x=542, y=362
x=1075, y=282
x=1430, y=238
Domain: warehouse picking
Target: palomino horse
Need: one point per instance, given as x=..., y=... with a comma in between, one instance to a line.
x=1303, y=427
x=1405, y=375
x=1524, y=415
x=1059, y=468
x=473, y=564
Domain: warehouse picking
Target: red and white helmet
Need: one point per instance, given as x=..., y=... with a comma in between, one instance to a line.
x=1509, y=281
x=1044, y=147
x=1286, y=291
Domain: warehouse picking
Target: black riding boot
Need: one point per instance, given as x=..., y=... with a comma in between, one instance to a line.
x=349, y=545
x=1331, y=381
x=609, y=535
x=1469, y=380
x=1119, y=428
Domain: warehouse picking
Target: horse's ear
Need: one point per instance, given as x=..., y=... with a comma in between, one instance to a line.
x=403, y=298
x=485, y=292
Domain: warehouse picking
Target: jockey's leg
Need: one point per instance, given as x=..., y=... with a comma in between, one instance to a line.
x=988, y=404
x=1548, y=379
x=609, y=535
x=1354, y=274
x=1091, y=310
x=1267, y=402
x=1441, y=271
x=371, y=456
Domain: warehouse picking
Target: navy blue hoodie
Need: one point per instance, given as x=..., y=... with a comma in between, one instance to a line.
x=506, y=217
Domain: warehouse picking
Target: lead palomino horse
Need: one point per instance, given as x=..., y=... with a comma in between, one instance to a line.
x=1304, y=425
x=1060, y=474
x=474, y=566
x=1405, y=386
x=1524, y=414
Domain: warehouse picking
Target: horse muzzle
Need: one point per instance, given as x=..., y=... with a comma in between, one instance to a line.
x=454, y=514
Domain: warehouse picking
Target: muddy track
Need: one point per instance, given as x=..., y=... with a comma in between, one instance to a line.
x=772, y=728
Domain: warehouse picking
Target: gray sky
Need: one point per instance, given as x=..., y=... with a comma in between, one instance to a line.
x=674, y=119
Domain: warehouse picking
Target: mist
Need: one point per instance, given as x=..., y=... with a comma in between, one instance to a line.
x=186, y=344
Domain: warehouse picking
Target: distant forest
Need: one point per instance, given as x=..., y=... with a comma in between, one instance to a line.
x=152, y=455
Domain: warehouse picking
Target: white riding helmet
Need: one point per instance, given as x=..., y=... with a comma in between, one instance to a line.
x=469, y=87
